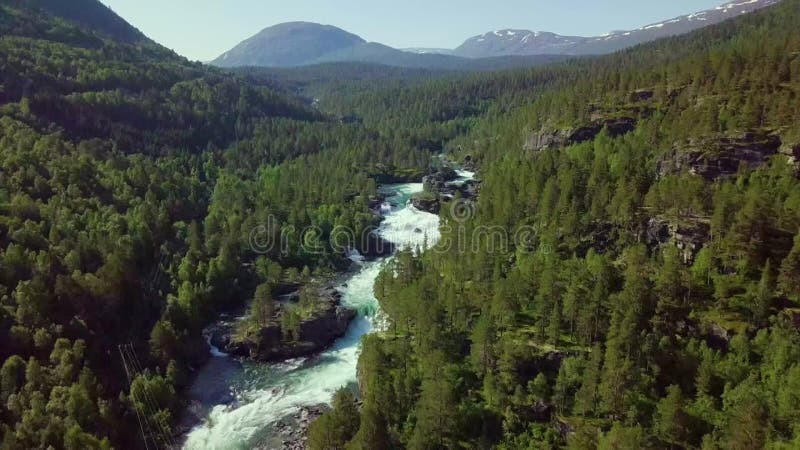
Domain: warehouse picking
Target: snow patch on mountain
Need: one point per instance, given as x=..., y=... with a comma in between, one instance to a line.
x=525, y=42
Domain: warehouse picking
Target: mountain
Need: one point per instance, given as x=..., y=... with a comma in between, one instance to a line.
x=89, y=14
x=374, y=53
x=425, y=50
x=288, y=44
x=525, y=42
x=516, y=42
x=300, y=44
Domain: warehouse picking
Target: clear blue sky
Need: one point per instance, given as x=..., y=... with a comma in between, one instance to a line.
x=203, y=29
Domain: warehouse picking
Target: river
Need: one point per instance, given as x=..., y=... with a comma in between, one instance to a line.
x=244, y=400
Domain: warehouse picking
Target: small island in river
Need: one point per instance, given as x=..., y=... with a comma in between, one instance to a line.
x=303, y=323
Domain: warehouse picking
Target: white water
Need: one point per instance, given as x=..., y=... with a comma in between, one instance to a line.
x=267, y=393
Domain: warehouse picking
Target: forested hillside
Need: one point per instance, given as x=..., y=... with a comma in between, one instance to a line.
x=130, y=184
x=630, y=278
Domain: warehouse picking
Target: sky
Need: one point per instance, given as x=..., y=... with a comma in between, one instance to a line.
x=204, y=29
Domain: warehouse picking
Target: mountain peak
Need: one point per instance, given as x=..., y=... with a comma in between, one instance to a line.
x=288, y=44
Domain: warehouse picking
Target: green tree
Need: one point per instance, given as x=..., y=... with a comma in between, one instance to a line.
x=587, y=397
x=262, y=307
x=670, y=422
x=337, y=427
x=765, y=294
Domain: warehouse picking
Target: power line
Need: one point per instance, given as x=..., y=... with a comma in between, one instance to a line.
x=130, y=383
x=163, y=429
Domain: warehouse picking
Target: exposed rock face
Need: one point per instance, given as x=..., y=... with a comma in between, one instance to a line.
x=689, y=236
x=328, y=323
x=616, y=127
x=546, y=139
x=721, y=157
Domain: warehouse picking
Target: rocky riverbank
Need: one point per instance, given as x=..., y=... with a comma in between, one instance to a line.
x=291, y=432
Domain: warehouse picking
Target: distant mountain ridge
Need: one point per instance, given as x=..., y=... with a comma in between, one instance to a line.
x=296, y=44
x=526, y=42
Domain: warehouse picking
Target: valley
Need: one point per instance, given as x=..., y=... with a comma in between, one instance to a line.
x=615, y=263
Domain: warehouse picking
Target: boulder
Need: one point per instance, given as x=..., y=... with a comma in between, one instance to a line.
x=426, y=203
x=718, y=337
